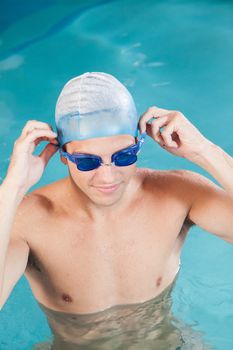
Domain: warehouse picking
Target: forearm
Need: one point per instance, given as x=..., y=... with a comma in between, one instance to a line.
x=10, y=199
x=219, y=164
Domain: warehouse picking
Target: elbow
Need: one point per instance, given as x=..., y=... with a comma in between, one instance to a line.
x=1, y=304
x=229, y=239
x=1, y=301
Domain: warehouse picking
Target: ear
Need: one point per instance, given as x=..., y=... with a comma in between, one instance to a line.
x=63, y=159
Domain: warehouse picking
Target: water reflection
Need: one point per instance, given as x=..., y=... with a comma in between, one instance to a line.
x=147, y=325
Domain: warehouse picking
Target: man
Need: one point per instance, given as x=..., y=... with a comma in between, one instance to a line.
x=110, y=234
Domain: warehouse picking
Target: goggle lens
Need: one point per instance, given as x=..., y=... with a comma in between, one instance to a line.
x=87, y=163
x=125, y=159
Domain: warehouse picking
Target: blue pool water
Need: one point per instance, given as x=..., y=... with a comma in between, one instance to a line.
x=173, y=54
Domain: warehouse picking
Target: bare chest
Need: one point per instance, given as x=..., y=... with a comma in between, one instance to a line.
x=76, y=266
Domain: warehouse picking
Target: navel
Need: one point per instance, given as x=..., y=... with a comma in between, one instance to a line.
x=67, y=298
x=159, y=281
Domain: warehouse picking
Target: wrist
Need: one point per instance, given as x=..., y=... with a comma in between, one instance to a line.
x=11, y=190
x=205, y=154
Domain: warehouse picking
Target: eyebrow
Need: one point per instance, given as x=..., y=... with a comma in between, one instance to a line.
x=77, y=152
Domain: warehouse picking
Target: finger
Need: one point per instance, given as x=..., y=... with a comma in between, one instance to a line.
x=47, y=153
x=158, y=124
x=28, y=143
x=34, y=124
x=159, y=111
x=167, y=135
x=39, y=139
x=36, y=133
x=150, y=113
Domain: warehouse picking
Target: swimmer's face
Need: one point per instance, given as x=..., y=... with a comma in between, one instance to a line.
x=89, y=181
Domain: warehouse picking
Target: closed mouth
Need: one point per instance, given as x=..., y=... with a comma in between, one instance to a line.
x=108, y=187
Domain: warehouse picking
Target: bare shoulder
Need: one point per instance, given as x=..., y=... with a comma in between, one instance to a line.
x=190, y=181
x=46, y=194
x=34, y=208
x=181, y=183
x=175, y=177
x=154, y=179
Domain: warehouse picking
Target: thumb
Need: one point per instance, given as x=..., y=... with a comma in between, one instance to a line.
x=48, y=152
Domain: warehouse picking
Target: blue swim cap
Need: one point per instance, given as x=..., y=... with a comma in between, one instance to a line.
x=94, y=104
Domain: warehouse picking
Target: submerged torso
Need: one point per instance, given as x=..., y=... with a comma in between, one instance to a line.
x=146, y=325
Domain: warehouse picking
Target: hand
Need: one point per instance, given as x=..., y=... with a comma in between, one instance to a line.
x=25, y=169
x=179, y=136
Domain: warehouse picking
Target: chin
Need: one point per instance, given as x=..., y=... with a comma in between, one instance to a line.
x=106, y=199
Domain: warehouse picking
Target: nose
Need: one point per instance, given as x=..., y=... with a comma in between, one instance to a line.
x=107, y=172
x=106, y=162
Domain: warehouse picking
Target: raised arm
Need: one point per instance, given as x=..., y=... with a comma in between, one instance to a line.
x=24, y=171
x=211, y=206
x=14, y=249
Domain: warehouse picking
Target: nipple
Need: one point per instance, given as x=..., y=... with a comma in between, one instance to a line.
x=158, y=282
x=67, y=298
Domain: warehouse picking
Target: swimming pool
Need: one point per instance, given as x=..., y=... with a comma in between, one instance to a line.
x=173, y=54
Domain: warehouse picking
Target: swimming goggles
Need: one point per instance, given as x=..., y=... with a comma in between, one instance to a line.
x=124, y=157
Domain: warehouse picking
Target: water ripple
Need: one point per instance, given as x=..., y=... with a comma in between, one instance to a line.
x=54, y=29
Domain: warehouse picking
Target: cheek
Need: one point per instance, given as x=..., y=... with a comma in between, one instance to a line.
x=72, y=169
x=127, y=172
x=81, y=178
x=131, y=169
